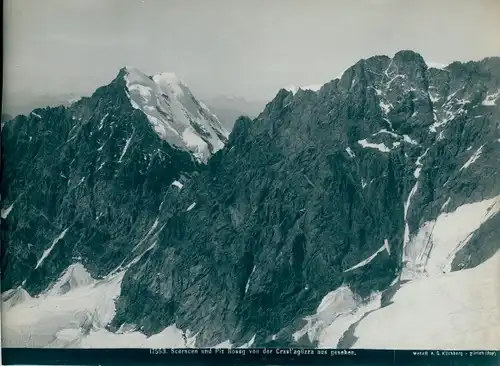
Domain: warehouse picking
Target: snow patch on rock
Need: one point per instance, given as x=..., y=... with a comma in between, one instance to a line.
x=177, y=184
x=6, y=211
x=380, y=147
x=491, y=99
x=125, y=148
x=249, y=343
x=47, y=251
x=473, y=158
x=409, y=140
x=249, y=278
x=350, y=152
x=372, y=257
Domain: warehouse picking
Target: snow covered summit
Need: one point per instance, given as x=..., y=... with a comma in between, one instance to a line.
x=175, y=114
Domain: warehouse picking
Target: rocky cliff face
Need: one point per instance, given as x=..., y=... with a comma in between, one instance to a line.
x=315, y=185
x=349, y=189
x=82, y=184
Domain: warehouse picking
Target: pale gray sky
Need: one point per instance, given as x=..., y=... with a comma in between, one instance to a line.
x=242, y=48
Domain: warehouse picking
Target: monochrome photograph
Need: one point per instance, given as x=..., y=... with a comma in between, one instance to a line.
x=239, y=175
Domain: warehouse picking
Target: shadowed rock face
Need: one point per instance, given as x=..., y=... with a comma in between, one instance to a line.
x=257, y=237
x=96, y=169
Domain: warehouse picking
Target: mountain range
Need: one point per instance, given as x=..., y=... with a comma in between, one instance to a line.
x=133, y=218
x=226, y=108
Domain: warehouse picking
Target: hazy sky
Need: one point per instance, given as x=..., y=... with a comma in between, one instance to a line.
x=241, y=48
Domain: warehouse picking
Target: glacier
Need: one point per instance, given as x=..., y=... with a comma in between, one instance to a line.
x=455, y=310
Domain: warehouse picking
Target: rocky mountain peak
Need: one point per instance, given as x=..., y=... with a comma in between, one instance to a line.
x=174, y=113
